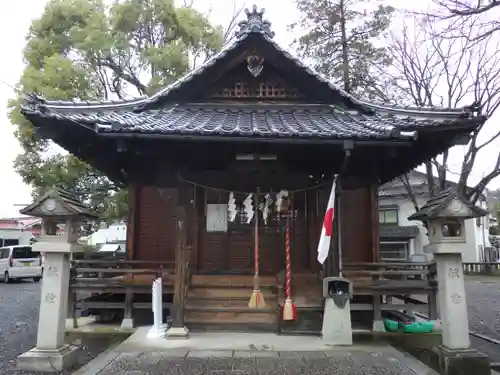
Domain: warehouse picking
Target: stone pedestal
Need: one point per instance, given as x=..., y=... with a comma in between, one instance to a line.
x=452, y=301
x=127, y=324
x=51, y=352
x=378, y=326
x=459, y=362
x=337, y=326
x=177, y=333
x=46, y=360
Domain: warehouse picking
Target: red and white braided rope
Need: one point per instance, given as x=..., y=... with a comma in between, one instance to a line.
x=288, y=273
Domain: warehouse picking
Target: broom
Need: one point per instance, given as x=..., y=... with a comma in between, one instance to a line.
x=289, y=309
x=257, y=299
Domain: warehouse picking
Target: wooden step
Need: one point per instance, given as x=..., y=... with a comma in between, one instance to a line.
x=215, y=326
x=231, y=280
x=227, y=292
x=234, y=316
x=220, y=303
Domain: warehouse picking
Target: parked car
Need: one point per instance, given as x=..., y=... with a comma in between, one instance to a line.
x=20, y=262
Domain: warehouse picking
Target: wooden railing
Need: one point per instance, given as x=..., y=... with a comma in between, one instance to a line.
x=132, y=278
x=414, y=284
x=115, y=277
x=481, y=268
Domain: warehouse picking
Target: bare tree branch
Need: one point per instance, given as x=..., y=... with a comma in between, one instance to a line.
x=232, y=24
x=405, y=179
x=435, y=67
x=457, y=13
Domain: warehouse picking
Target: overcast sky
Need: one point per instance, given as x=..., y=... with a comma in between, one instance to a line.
x=15, y=18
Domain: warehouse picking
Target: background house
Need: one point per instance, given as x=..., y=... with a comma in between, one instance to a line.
x=12, y=232
x=21, y=230
x=114, y=234
x=401, y=239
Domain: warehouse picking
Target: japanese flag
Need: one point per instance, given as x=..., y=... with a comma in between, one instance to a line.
x=326, y=231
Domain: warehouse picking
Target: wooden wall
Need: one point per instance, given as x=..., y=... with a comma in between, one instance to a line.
x=359, y=225
x=153, y=234
x=154, y=224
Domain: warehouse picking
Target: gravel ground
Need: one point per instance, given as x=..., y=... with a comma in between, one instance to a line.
x=484, y=305
x=483, y=301
x=18, y=326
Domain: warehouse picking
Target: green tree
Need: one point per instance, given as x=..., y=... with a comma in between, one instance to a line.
x=90, y=50
x=340, y=39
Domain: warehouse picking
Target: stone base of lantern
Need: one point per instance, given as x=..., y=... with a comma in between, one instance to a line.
x=43, y=360
x=459, y=362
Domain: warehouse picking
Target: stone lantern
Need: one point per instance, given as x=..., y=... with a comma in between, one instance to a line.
x=445, y=217
x=55, y=208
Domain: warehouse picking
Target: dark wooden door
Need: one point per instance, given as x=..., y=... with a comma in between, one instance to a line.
x=356, y=225
x=156, y=229
x=233, y=251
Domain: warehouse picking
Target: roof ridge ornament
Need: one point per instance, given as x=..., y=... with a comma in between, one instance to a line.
x=254, y=23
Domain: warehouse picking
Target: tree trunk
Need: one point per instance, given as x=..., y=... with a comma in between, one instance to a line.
x=345, y=51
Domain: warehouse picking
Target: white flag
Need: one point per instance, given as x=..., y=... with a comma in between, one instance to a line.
x=327, y=229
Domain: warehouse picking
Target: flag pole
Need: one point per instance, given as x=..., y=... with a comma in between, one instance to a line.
x=338, y=189
x=330, y=215
x=339, y=231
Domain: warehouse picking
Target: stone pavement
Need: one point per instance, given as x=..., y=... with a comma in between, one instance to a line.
x=206, y=354
x=355, y=362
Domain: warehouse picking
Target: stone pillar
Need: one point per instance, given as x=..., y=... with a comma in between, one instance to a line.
x=445, y=215
x=452, y=300
x=455, y=356
x=56, y=207
x=51, y=354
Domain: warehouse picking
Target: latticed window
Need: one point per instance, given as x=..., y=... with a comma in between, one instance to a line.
x=269, y=89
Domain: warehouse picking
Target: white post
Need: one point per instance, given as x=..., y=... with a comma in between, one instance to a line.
x=158, y=330
x=51, y=354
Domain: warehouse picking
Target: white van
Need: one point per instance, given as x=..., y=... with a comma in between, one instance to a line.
x=20, y=262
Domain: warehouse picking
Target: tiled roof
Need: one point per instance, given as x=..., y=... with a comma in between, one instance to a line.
x=434, y=206
x=395, y=231
x=254, y=120
x=264, y=33
x=70, y=202
x=10, y=225
x=145, y=115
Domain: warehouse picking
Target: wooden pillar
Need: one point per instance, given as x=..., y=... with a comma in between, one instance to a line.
x=133, y=219
x=193, y=230
x=180, y=270
x=71, y=320
x=375, y=223
x=313, y=229
x=128, y=320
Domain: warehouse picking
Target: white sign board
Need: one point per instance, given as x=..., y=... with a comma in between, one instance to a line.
x=217, y=217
